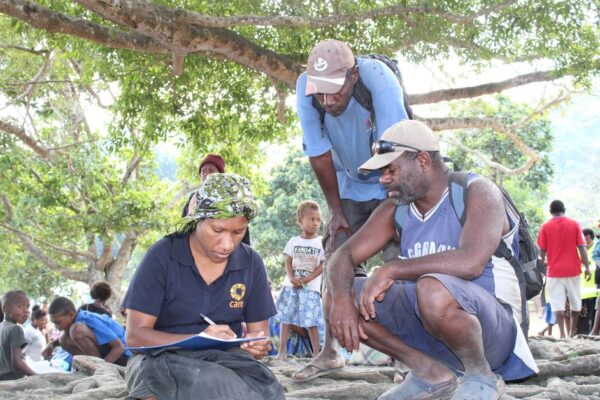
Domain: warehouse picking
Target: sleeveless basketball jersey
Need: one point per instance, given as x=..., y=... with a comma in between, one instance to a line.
x=439, y=230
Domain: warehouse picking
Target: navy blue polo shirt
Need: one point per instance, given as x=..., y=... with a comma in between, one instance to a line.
x=167, y=285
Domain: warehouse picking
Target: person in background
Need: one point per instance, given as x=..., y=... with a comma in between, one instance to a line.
x=36, y=340
x=15, y=305
x=100, y=293
x=595, y=255
x=299, y=303
x=561, y=241
x=589, y=292
x=212, y=164
x=86, y=333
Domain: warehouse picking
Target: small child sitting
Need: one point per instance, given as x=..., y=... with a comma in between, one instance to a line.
x=15, y=305
x=87, y=333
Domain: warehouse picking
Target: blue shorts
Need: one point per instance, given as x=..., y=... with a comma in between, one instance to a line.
x=399, y=314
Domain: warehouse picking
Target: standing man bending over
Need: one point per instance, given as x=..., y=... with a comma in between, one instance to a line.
x=446, y=305
x=339, y=144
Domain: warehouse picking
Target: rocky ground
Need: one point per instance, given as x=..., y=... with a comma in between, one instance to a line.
x=569, y=370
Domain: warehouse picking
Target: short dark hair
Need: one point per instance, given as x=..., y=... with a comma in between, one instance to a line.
x=37, y=312
x=11, y=296
x=588, y=232
x=61, y=306
x=101, y=290
x=557, y=207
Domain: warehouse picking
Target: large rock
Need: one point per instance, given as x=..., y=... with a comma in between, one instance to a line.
x=569, y=370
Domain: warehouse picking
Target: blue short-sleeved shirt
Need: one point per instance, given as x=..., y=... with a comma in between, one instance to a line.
x=349, y=136
x=105, y=328
x=167, y=285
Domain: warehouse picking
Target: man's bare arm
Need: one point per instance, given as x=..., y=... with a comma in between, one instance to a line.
x=585, y=261
x=366, y=242
x=325, y=172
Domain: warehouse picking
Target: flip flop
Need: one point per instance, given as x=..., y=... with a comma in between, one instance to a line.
x=320, y=371
x=413, y=388
x=479, y=387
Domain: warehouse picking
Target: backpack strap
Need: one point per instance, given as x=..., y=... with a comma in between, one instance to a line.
x=458, y=199
x=457, y=187
x=400, y=216
x=321, y=111
x=362, y=94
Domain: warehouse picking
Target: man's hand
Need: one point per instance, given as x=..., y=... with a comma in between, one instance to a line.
x=259, y=348
x=47, y=352
x=336, y=224
x=587, y=274
x=344, y=323
x=220, y=331
x=374, y=289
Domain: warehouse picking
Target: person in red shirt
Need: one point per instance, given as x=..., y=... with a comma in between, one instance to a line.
x=560, y=239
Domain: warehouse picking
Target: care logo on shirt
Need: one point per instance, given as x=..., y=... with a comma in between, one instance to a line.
x=237, y=293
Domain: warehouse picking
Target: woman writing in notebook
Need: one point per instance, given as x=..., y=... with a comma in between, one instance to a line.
x=203, y=273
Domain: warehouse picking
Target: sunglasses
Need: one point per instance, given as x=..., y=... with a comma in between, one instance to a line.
x=383, y=146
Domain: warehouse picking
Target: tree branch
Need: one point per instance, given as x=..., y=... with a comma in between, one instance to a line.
x=543, y=106
x=438, y=124
x=210, y=21
x=75, y=255
x=51, y=21
x=106, y=257
x=163, y=26
x=21, y=48
x=38, y=76
x=179, y=196
x=20, y=133
x=115, y=272
x=34, y=250
x=135, y=161
x=480, y=90
x=497, y=166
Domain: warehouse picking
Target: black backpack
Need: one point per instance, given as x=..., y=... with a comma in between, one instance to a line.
x=362, y=94
x=528, y=267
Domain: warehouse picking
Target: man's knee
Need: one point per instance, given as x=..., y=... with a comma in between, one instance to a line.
x=79, y=331
x=434, y=301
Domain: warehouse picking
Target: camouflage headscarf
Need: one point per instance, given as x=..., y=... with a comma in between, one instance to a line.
x=223, y=196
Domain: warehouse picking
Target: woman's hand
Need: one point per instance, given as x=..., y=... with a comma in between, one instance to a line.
x=220, y=331
x=257, y=348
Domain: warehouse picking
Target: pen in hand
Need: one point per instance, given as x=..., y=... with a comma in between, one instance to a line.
x=208, y=320
x=224, y=329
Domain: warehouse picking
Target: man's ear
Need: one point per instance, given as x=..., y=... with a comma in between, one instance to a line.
x=424, y=159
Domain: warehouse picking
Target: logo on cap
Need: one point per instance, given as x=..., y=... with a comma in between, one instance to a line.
x=320, y=65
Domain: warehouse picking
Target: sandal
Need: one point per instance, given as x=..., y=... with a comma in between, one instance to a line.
x=319, y=371
x=479, y=387
x=414, y=388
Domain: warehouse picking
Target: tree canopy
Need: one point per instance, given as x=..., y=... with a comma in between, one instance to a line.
x=235, y=62
x=77, y=196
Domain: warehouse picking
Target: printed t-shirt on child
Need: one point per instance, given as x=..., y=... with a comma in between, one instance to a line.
x=307, y=254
